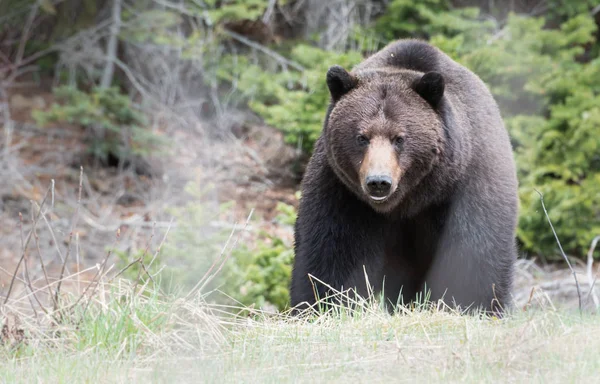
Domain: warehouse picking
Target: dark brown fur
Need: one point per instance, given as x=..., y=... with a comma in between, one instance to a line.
x=448, y=223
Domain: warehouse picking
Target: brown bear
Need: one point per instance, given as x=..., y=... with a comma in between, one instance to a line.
x=412, y=183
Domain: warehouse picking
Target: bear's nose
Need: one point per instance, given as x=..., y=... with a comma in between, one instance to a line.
x=379, y=185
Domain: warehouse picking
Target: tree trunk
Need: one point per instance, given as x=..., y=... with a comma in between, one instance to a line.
x=111, y=47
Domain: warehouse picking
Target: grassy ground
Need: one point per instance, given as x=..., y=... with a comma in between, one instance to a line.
x=126, y=337
x=417, y=347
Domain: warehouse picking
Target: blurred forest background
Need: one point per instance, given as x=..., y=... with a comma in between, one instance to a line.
x=189, y=116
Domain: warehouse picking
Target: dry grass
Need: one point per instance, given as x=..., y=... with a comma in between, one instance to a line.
x=420, y=346
x=61, y=326
x=104, y=335
x=197, y=343
x=131, y=332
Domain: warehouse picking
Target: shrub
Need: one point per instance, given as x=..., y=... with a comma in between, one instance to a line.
x=550, y=102
x=294, y=102
x=424, y=19
x=260, y=275
x=115, y=125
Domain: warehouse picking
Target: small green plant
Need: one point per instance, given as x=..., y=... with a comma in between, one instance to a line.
x=259, y=275
x=116, y=127
x=287, y=213
x=122, y=324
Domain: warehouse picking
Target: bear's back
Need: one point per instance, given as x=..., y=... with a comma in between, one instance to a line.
x=414, y=55
x=419, y=56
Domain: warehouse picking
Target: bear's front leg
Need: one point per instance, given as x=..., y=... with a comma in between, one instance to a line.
x=337, y=237
x=473, y=265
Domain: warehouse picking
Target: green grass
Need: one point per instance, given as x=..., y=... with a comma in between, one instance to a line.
x=127, y=337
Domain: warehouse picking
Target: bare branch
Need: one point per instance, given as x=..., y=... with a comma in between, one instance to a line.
x=26, y=270
x=39, y=252
x=264, y=50
x=25, y=35
x=269, y=11
x=161, y=244
x=73, y=227
x=25, y=248
x=8, y=122
x=99, y=276
x=561, y=250
x=99, y=273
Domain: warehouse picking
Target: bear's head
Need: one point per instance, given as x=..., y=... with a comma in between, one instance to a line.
x=384, y=131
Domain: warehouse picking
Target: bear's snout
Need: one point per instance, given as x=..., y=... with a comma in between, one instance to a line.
x=378, y=186
x=379, y=171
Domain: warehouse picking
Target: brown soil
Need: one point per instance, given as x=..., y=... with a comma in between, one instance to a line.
x=251, y=169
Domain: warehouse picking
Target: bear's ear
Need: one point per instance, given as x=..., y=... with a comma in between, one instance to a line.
x=430, y=87
x=339, y=82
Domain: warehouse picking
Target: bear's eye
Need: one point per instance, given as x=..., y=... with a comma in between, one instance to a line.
x=399, y=142
x=362, y=140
